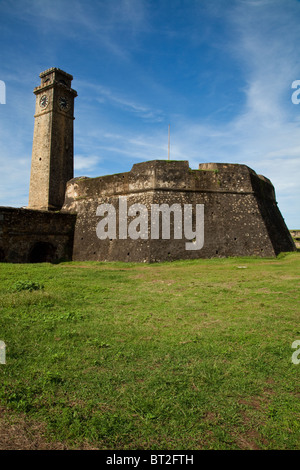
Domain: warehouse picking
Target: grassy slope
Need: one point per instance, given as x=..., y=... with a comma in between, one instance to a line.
x=183, y=355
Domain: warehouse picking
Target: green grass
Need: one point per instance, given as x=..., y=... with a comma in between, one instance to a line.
x=185, y=355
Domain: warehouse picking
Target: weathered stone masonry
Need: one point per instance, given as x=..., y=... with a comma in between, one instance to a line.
x=241, y=213
x=35, y=236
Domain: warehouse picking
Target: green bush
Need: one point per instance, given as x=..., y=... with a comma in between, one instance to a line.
x=27, y=285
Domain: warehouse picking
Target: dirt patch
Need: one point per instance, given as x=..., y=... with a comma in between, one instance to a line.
x=252, y=402
x=248, y=441
x=17, y=432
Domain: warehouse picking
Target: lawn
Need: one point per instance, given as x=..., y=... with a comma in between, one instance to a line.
x=173, y=356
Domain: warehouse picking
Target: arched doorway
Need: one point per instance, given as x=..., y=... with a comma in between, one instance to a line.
x=42, y=252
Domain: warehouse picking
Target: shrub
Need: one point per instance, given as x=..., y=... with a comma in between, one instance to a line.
x=27, y=285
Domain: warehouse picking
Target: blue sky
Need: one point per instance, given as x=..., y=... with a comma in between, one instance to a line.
x=220, y=72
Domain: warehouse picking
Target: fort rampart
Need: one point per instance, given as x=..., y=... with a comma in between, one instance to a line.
x=241, y=216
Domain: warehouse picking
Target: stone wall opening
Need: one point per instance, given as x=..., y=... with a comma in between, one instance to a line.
x=42, y=252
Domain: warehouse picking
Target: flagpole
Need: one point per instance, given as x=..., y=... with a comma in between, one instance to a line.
x=169, y=143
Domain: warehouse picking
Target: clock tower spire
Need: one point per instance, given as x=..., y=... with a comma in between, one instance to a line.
x=52, y=149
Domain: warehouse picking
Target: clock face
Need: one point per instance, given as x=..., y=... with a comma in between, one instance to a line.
x=44, y=101
x=63, y=103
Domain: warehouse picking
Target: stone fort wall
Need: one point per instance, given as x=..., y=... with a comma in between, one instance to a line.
x=241, y=216
x=35, y=236
x=296, y=237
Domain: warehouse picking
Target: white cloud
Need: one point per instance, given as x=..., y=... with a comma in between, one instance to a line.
x=102, y=94
x=83, y=162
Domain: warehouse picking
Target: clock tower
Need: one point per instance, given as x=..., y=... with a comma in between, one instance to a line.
x=52, y=150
